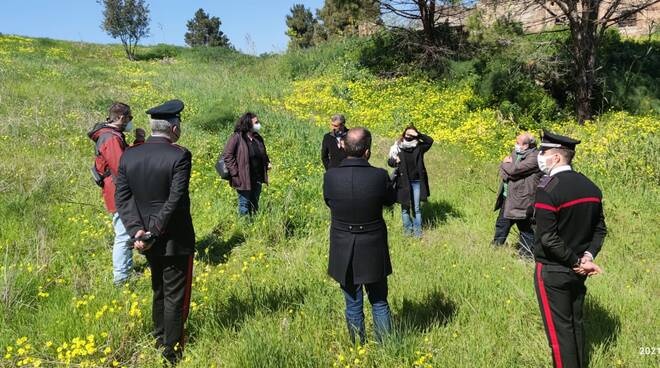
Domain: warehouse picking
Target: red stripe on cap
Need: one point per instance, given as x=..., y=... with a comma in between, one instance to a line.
x=554, y=342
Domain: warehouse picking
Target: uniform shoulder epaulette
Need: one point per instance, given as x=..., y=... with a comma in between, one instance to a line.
x=548, y=183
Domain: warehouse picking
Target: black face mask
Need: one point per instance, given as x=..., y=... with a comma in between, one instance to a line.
x=409, y=139
x=339, y=132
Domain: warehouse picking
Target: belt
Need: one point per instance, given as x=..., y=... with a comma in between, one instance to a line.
x=358, y=228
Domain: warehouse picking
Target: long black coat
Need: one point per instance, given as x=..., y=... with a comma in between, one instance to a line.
x=356, y=193
x=152, y=195
x=404, y=195
x=331, y=154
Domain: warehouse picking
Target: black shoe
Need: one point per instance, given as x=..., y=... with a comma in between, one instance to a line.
x=497, y=243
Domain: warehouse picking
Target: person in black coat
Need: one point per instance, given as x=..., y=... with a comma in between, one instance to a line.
x=356, y=193
x=152, y=198
x=412, y=182
x=570, y=230
x=332, y=153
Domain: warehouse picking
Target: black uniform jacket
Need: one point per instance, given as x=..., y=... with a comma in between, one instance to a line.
x=356, y=193
x=152, y=195
x=331, y=154
x=569, y=219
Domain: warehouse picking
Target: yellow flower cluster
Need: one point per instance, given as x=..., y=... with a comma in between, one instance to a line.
x=386, y=106
x=81, y=352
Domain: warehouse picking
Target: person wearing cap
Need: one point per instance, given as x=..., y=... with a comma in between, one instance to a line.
x=153, y=200
x=332, y=152
x=359, y=257
x=110, y=143
x=247, y=161
x=570, y=230
x=520, y=174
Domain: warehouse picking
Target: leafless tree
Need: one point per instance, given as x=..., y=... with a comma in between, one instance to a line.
x=587, y=21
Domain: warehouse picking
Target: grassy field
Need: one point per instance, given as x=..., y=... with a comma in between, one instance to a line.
x=261, y=297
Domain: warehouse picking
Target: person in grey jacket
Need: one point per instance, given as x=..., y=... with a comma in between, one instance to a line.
x=520, y=176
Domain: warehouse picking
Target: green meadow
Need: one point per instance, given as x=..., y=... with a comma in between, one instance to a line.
x=261, y=296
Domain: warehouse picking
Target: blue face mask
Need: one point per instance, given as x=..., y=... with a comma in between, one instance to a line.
x=128, y=127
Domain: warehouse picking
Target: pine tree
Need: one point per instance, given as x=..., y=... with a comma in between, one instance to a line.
x=204, y=30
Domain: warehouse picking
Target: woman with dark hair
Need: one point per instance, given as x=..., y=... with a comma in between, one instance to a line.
x=247, y=161
x=407, y=156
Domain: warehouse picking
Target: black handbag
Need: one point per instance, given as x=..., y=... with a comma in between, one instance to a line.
x=221, y=168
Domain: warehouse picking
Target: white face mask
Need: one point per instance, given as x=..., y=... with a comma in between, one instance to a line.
x=128, y=126
x=518, y=148
x=541, y=160
x=256, y=127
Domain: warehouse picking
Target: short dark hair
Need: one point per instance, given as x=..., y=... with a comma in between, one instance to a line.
x=244, y=123
x=117, y=110
x=357, y=142
x=566, y=154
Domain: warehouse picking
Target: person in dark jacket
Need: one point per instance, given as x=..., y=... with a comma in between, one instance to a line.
x=356, y=193
x=412, y=182
x=152, y=199
x=520, y=176
x=332, y=153
x=110, y=144
x=247, y=161
x=570, y=230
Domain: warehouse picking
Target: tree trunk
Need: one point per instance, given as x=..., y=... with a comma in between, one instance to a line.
x=584, y=54
x=427, y=15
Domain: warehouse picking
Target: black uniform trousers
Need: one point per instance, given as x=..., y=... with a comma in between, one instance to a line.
x=171, y=279
x=560, y=292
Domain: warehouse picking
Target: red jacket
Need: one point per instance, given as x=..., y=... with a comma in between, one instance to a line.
x=110, y=145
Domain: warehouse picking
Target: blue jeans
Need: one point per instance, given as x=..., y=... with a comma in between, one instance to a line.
x=122, y=256
x=248, y=200
x=413, y=226
x=377, y=293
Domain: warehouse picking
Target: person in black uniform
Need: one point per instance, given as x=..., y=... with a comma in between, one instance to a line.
x=570, y=229
x=152, y=199
x=332, y=153
x=359, y=256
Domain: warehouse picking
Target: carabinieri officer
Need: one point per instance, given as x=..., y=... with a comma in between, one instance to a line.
x=152, y=199
x=570, y=229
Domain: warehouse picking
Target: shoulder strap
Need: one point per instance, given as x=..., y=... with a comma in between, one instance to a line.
x=104, y=136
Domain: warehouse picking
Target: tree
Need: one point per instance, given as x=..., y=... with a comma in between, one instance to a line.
x=587, y=21
x=127, y=20
x=301, y=25
x=431, y=14
x=204, y=30
x=344, y=17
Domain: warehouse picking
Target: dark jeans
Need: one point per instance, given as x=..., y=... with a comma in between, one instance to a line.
x=377, y=293
x=248, y=200
x=503, y=226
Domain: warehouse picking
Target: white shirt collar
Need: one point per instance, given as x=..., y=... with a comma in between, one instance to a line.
x=559, y=169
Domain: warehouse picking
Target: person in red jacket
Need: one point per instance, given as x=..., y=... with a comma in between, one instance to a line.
x=110, y=145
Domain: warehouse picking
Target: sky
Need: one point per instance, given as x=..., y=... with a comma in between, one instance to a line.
x=252, y=26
